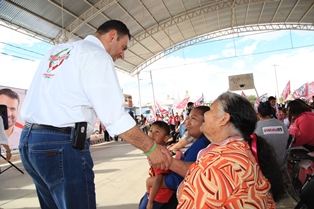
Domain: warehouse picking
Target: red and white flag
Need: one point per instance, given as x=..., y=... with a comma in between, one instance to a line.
x=183, y=103
x=310, y=91
x=262, y=98
x=200, y=101
x=243, y=94
x=162, y=110
x=286, y=91
x=302, y=91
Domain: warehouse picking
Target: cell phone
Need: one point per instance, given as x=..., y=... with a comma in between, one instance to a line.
x=79, y=135
x=4, y=115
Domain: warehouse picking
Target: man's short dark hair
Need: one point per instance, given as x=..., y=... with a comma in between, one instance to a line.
x=10, y=93
x=117, y=25
x=271, y=98
x=190, y=104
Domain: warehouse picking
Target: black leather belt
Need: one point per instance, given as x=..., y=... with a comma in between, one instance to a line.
x=65, y=130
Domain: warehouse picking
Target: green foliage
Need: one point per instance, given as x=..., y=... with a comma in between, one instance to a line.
x=251, y=98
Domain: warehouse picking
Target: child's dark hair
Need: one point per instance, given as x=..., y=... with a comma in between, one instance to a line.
x=265, y=109
x=172, y=127
x=163, y=125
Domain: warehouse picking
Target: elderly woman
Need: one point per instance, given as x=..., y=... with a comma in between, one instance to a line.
x=238, y=169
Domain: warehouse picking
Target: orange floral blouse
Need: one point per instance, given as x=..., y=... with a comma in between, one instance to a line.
x=225, y=177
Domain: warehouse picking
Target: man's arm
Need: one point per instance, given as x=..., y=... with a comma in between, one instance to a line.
x=143, y=142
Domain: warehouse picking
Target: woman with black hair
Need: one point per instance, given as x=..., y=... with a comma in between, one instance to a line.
x=237, y=170
x=272, y=130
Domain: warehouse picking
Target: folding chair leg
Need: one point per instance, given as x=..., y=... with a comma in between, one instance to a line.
x=11, y=165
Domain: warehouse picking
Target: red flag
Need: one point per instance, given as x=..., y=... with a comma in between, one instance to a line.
x=301, y=92
x=200, y=101
x=286, y=91
x=310, y=91
x=243, y=94
x=183, y=103
x=152, y=116
x=262, y=98
x=162, y=110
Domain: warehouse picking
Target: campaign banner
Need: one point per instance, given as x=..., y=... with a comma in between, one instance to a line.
x=13, y=98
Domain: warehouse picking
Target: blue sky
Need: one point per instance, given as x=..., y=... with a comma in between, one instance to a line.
x=201, y=68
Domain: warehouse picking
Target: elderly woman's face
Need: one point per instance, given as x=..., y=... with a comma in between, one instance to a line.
x=194, y=122
x=211, y=122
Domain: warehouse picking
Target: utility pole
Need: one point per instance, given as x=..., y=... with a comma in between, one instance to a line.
x=277, y=92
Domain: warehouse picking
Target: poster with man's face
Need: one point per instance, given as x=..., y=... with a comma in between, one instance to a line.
x=13, y=99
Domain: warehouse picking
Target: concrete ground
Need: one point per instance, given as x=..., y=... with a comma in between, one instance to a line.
x=120, y=174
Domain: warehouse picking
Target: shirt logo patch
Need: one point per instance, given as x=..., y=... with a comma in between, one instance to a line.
x=272, y=130
x=57, y=60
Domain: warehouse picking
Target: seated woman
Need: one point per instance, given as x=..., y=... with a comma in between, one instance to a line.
x=237, y=170
x=193, y=124
x=301, y=119
x=272, y=130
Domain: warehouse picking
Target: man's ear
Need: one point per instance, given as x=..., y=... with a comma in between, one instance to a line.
x=112, y=34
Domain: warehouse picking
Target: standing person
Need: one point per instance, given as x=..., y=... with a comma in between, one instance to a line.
x=189, y=107
x=60, y=109
x=143, y=124
x=11, y=99
x=238, y=169
x=156, y=196
x=273, y=102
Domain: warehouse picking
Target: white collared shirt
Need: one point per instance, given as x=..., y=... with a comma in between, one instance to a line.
x=76, y=82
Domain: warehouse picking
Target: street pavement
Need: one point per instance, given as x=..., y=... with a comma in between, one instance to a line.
x=120, y=174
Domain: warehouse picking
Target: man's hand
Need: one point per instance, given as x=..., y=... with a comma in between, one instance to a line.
x=159, y=158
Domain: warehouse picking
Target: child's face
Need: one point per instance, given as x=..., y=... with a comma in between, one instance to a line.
x=158, y=134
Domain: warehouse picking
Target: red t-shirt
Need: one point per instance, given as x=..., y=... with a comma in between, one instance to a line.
x=164, y=194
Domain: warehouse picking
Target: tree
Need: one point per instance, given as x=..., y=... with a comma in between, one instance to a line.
x=251, y=98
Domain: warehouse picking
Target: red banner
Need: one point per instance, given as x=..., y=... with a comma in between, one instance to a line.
x=162, y=110
x=262, y=98
x=286, y=91
x=310, y=91
x=200, y=101
x=301, y=92
x=183, y=103
x=243, y=94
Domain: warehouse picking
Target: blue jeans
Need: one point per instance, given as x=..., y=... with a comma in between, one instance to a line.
x=144, y=201
x=63, y=176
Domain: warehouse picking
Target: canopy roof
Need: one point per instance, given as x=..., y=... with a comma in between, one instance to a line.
x=158, y=27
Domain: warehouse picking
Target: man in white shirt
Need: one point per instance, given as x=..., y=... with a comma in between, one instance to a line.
x=75, y=82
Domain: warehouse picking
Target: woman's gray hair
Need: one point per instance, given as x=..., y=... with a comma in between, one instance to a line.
x=242, y=115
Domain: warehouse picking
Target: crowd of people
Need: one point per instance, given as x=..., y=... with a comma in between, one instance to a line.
x=259, y=136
